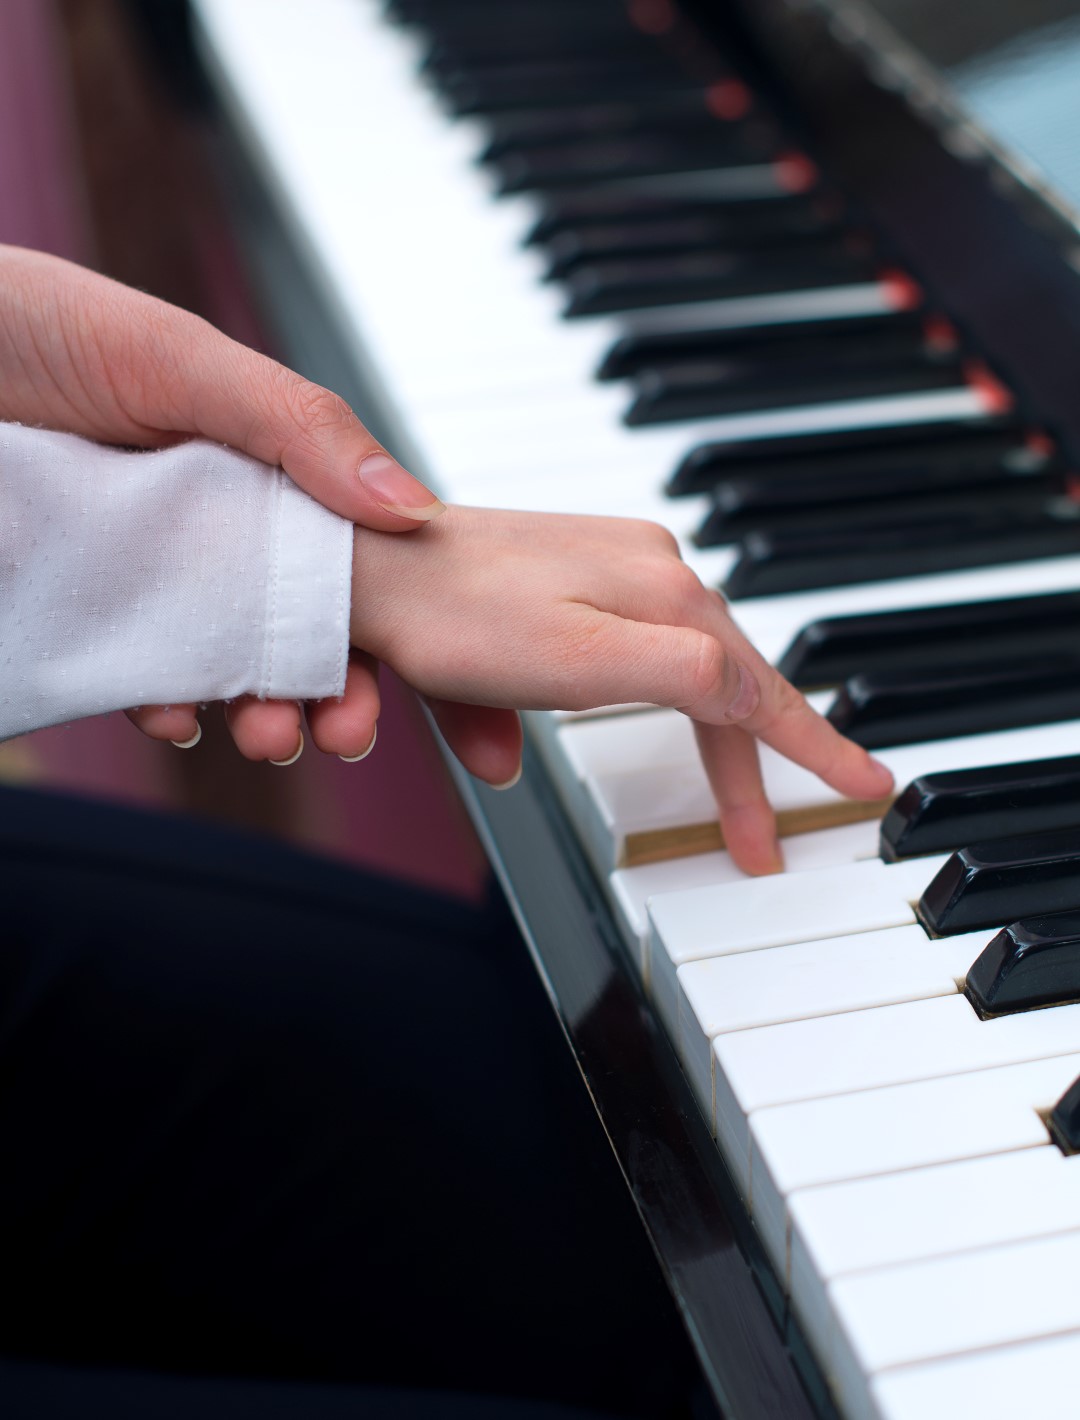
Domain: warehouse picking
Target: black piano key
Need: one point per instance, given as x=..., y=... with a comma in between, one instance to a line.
x=668, y=236
x=1031, y=964
x=691, y=394
x=1064, y=1120
x=579, y=210
x=561, y=64
x=560, y=83
x=636, y=156
x=909, y=707
x=638, y=351
x=831, y=650
x=603, y=287
x=727, y=524
x=741, y=505
x=938, y=813
x=891, y=346
x=1003, y=880
x=946, y=444
x=771, y=563
x=661, y=113
x=469, y=47
x=439, y=17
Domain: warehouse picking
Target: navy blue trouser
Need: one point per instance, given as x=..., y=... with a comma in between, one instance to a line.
x=280, y=1139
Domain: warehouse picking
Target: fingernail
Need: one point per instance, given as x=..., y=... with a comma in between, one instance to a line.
x=777, y=857
x=284, y=763
x=356, y=758
x=747, y=695
x=397, y=491
x=191, y=743
x=510, y=782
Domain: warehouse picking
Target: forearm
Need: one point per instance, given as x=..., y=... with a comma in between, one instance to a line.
x=189, y=574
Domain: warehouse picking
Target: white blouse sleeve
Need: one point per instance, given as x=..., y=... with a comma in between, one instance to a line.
x=187, y=574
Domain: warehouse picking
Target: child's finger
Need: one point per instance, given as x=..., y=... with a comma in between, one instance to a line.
x=346, y=726
x=265, y=729
x=178, y=723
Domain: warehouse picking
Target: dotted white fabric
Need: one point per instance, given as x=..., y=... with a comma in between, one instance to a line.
x=186, y=574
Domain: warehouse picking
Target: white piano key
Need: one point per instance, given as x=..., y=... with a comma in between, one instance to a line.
x=660, y=737
x=918, y=1040
x=866, y=1050
x=1033, y=1379
x=954, y=1208
x=795, y=1149
x=932, y=1212
x=774, y=911
x=633, y=887
x=758, y=913
x=947, y=1306
x=767, y=912
x=819, y=978
x=949, y=1208
x=908, y=1126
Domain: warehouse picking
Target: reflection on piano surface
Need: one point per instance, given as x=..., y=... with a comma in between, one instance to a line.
x=600, y=265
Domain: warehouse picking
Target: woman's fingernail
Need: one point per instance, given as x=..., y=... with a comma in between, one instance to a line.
x=510, y=782
x=284, y=763
x=397, y=491
x=191, y=743
x=356, y=758
x=777, y=857
x=747, y=695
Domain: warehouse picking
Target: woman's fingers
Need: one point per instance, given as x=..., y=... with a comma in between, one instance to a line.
x=730, y=757
x=235, y=396
x=487, y=740
x=346, y=727
x=84, y=354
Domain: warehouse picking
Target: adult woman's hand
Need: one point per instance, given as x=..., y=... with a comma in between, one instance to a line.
x=84, y=355
x=531, y=610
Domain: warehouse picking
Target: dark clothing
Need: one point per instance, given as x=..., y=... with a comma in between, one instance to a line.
x=264, y=1117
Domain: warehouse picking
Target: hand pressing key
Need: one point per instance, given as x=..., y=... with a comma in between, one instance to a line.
x=539, y=611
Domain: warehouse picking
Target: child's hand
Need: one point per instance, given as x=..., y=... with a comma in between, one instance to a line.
x=534, y=611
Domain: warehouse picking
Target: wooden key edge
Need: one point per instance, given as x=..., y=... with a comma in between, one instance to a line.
x=660, y=845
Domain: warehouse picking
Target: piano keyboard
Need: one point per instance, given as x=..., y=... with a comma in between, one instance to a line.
x=750, y=335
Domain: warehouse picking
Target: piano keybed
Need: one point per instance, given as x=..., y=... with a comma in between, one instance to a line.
x=642, y=214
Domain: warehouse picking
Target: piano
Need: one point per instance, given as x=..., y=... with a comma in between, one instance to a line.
x=759, y=271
